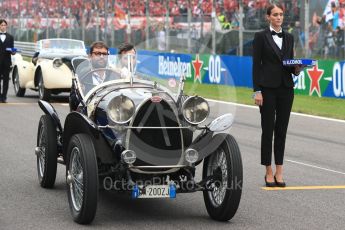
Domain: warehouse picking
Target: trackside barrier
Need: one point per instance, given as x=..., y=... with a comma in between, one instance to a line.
x=26, y=48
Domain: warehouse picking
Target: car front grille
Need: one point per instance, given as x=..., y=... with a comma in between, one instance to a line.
x=158, y=146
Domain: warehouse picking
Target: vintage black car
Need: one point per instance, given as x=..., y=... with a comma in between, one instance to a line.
x=140, y=134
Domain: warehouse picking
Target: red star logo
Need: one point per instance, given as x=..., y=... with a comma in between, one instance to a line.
x=197, y=64
x=315, y=75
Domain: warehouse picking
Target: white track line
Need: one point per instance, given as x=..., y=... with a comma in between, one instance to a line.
x=294, y=113
x=314, y=166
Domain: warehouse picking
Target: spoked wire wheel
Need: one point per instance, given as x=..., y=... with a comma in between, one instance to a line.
x=46, y=152
x=223, y=194
x=75, y=175
x=218, y=163
x=82, y=178
x=42, y=152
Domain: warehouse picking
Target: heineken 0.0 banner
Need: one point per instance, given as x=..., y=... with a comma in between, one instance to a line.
x=326, y=79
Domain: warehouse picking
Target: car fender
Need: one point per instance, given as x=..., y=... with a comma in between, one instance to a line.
x=208, y=143
x=56, y=77
x=48, y=109
x=25, y=72
x=79, y=123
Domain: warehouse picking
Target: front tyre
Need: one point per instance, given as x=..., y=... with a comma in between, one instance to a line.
x=46, y=152
x=224, y=195
x=82, y=178
x=43, y=93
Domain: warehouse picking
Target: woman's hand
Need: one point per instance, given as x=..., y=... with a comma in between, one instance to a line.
x=259, y=100
x=298, y=69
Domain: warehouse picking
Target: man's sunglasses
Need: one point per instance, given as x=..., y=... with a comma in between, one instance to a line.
x=100, y=54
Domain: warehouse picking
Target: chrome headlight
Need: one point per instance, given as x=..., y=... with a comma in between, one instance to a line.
x=121, y=109
x=57, y=62
x=195, y=110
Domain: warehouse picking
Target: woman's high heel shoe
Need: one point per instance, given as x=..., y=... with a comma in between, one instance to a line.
x=279, y=184
x=269, y=184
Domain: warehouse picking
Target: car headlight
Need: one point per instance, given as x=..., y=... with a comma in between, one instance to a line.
x=121, y=109
x=195, y=110
x=57, y=62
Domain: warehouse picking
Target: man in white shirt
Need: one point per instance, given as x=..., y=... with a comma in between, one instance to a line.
x=98, y=58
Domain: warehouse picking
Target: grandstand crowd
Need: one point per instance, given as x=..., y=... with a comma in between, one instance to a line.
x=76, y=8
x=326, y=34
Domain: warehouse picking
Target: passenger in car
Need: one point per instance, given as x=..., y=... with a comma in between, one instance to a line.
x=127, y=63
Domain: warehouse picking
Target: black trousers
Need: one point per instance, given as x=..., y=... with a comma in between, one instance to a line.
x=275, y=114
x=4, y=80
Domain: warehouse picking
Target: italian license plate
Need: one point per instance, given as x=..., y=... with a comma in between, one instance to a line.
x=154, y=191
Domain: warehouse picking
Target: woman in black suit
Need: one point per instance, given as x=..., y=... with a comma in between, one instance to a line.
x=274, y=92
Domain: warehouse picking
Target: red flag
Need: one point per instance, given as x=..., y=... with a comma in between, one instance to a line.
x=119, y=12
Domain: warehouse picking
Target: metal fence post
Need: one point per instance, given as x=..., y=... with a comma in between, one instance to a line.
x=240, y=32
x=189, y=18
x=147, y=29
x=167, y=28
x=213, y=27
x=306, y=28
x=83, y=26
x=47, y=30
x=112, y=28
x=106, y=21
x=129, y=28
x=97, y=26
x=70, y=21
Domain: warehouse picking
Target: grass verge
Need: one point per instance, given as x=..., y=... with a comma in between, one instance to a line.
x=326, y=107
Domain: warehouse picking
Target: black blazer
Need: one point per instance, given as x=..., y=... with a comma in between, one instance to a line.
x=5, y=56
x=268, y=69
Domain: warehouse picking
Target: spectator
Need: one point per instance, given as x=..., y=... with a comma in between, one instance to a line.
x=335, y=12
x=225, y=24
x=339, y=42
x=297, y=36
x=161, y=44
x=329, y=43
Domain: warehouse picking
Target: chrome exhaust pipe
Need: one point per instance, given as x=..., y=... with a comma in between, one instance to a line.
x=60, y=160
x=38, y=151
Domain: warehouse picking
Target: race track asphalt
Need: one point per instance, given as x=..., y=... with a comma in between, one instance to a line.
x=315, y=156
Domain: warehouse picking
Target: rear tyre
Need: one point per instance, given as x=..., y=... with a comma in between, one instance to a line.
x=46, y=152
x=82, y=179
x=223, y=198
x=19, y=91
x=43, y=93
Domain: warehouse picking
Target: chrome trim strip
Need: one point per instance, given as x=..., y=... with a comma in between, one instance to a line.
x=171, y=170
x=141, y=127
x=156, y=167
